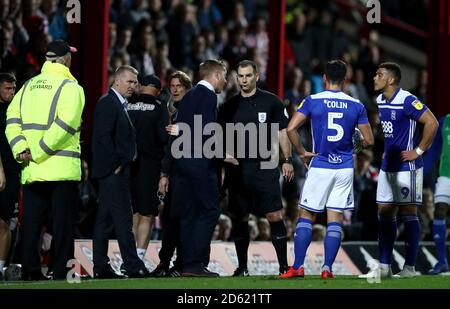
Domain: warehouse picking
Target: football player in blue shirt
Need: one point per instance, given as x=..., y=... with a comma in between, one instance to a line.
x=329, y=183
x=399, y=190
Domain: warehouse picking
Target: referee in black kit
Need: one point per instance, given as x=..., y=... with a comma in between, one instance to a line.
x=253, y=187
x=149, y=117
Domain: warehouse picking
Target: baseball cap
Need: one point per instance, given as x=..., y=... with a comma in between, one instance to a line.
x=59, y=48
x=151, y=80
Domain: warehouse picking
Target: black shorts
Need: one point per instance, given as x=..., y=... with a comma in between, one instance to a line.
x=9, y=197
x=144, y=186
x=252, y=190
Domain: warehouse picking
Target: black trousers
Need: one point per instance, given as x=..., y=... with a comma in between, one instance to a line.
x=38, y=198
x=197, y=196
x=171, y=229
x=115, y=206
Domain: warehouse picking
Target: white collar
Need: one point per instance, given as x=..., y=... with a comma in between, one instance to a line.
x=121, y=98
x=207, y=85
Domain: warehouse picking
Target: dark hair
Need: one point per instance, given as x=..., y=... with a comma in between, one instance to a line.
x=210, y=66
x=394, y=69
x=335, y=71
x=7, y=77
x=248, y=63
x=183, y=77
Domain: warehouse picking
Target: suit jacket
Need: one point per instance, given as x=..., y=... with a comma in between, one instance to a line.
x=198, y=101
x=114, y=137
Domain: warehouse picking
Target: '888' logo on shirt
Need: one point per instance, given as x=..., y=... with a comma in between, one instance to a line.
x=388, y=128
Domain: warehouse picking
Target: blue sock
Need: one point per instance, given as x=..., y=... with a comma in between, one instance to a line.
x=412, y=233
x=387, y=233
x=332, y=243
x=302, y=239
x=439, y=239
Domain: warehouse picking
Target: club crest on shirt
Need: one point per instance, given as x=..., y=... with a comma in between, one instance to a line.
x=301, y=104
x=417, y=105
x=262, y=117
x=393, y=115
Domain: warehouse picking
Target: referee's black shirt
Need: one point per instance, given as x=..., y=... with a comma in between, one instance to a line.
x=262, y=107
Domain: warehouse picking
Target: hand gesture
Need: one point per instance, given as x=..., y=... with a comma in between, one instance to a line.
x=288, y=171
x=306, y=158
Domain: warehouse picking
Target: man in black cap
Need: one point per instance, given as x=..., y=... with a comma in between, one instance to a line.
x=58, y=48
x=150, y=118
x=45, y=140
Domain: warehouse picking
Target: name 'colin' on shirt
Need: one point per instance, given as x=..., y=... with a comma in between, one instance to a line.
x=335, y=104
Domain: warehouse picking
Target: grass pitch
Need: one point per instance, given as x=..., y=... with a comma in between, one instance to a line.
x=254, y=282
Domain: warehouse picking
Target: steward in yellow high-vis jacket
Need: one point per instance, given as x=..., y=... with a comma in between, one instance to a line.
x=43, y=130
x=45, y=118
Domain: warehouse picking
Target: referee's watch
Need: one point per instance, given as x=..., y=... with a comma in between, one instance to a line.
x=288, y=160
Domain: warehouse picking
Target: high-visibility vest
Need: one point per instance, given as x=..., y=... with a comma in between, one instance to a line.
x=45, y=117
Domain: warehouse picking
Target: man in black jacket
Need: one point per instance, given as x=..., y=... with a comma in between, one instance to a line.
x=9, y=170
x=150, y=119
x=113, y=150
x=197, y=187
x=179, y=83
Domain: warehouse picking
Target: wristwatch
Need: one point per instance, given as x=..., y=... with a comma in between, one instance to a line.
x=288, y=160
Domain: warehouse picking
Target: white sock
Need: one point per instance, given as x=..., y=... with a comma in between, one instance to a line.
x=385, y=266
x=409, y=267
x=141, y=253
x=2, y=263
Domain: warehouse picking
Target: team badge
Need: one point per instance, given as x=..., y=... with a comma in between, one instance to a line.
x=262, y=117
x=393, y=115
x=417, y=105
x=301, y=104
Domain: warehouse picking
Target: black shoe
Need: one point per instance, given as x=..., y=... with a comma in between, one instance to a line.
x=34, y=276
x=160, y=271
x=284, y=269
x=108, y=273
x=174, y=272
x=203, y=272
x=141, y=273
x=241, y=272
x=13, y=273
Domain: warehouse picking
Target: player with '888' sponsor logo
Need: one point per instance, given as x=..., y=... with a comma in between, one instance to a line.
x=399, y=189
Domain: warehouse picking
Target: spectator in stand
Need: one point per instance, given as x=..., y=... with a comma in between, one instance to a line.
x=208, y=15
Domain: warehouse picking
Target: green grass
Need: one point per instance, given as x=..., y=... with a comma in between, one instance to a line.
x=255, y=282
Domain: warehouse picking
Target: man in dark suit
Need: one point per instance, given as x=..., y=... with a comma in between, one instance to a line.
x=113, y=150
x=196, y=186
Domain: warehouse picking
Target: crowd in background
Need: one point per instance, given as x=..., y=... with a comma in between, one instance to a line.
x=158, y=37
